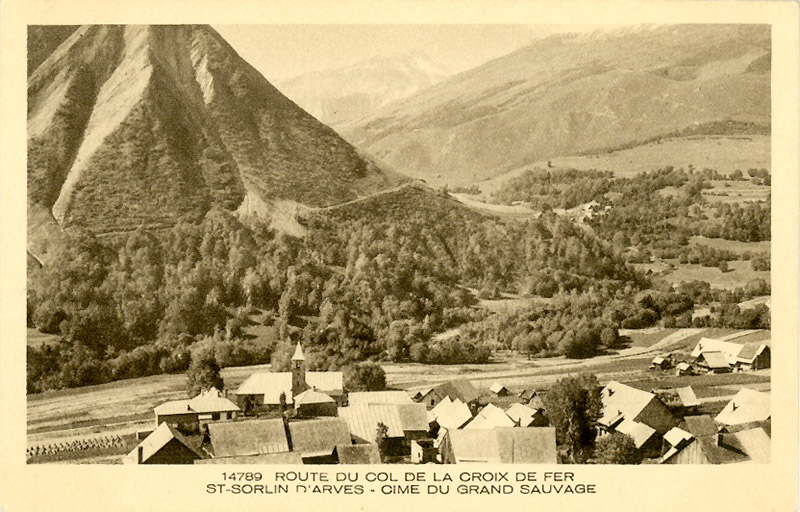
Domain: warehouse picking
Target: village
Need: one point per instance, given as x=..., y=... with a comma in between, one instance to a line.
x=306, y=417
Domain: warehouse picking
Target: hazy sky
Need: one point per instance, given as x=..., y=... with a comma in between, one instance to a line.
x=284, y=51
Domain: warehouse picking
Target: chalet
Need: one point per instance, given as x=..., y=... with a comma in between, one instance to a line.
x=754, y=356
x=728, y=349
x=713, y=362
x=525, y=416
x=450, y=414
x=358, y=454
x=378, y=398
x=316, y=439
x=747, y=356
x=404, y=423
x=490, y=417
x=660, y=363
x=621, y=402
x=503, y=445
x=311, y=403
x=751, y=445
x=682, y=369
x=247, y=438
x=499, y=389
x=262, y=391
x=460, y=389
x=526, y=394
x=164, y=445
x=208, y=406
x=747, y=406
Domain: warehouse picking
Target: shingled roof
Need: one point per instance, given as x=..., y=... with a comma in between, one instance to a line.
x=251, y=437
x=746, y=407
x=358, y=454
x=461, y=389
x=157, y=440
x=318, y=436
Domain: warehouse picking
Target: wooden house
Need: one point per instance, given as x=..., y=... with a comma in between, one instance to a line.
x=165, y=445
x=208, y=406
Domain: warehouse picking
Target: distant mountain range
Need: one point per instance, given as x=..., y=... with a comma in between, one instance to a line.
x=575, y=93
x=341, y=95
x=139, y=125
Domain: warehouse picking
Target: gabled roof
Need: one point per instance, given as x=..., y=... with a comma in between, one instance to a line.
x=683, y=366
x=318, y=436
x=521, y=414
x=451, y=414
x=728, y=451
x=490, y=416
x=639, y=432
x=419, y=393
x=298, y=353
x=358, y=454
x=458, y=388
x=621, y=401
x=729, y=350
x=750, y=351
x=504, y=445
x=756, y=444
x=272, y=384
x=747, y=406
x=157, y=440
x=527, y=394
x=687, y=396
x=676, y=436
x=268, y=384
x=497, y=388
x=208, y=402
x=311, y=396
x=378, y=397
x=714, y=359
x=362, y=420
x=700, y=425
x=658, y=360
x=251, y=437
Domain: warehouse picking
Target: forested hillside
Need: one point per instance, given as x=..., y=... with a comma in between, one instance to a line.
x=356, y=287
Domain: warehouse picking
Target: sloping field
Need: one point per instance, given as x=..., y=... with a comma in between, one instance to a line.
x=739, y=274
x=725, y=154
x=731, y=245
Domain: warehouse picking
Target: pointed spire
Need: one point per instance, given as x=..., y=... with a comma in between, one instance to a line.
x=298, y=353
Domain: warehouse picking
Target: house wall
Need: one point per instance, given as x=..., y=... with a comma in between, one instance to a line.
x=173, y=452
x=313, y=410
x=177, y=419
x=763, y=360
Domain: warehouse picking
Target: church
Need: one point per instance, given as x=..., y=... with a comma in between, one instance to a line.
x=261, y=392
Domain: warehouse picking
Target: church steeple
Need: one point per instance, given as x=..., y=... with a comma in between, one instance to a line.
x=298, y=371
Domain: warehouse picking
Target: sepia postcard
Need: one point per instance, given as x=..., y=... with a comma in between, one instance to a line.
x=380, y=255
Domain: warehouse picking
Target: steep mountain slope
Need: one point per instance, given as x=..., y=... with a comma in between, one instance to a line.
x=340, y=95
x=43, y=40
x=569, y=94
x=139, y=125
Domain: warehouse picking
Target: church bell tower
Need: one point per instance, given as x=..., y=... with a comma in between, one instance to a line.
x=298, y=371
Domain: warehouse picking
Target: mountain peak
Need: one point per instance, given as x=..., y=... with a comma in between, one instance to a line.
x=139, y=125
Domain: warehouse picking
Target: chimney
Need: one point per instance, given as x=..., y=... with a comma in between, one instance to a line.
x=139, y=454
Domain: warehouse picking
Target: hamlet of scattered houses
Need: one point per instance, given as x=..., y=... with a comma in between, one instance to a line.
x=302, y=417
